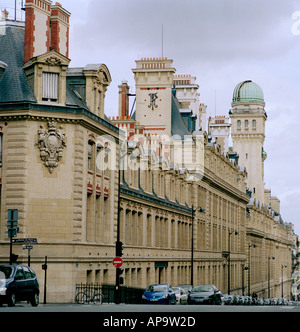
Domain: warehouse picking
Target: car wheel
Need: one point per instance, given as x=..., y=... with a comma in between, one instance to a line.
x=35, y=300
x=11, y=300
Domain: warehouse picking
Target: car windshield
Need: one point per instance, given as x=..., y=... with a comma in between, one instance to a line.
x=203, y=288
x=5, y=272
x=157, y=288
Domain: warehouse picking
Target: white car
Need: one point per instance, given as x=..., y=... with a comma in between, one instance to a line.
x=181, y=295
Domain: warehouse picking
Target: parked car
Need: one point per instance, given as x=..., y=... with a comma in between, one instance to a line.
x=181, y=295
x=18, y=283
x=187, y=288
x=202, y=294
x=159, y=293
x=267, y=302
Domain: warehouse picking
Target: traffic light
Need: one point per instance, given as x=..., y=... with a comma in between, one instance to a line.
x=119, y=249
x=12, y=223
x=44, y=267
x=14, y=258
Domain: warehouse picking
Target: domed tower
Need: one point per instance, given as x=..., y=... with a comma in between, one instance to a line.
x=248, y=119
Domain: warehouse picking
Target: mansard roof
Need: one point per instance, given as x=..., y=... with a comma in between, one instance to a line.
x=177, y=125
x=14, y=86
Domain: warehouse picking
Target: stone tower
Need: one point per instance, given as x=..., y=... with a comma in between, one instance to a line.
x=154, y=83
x=248, y=119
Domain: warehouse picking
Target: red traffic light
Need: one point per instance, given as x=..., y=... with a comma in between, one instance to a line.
x=44, y=267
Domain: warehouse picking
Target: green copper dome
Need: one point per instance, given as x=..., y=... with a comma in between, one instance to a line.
x=247, y=92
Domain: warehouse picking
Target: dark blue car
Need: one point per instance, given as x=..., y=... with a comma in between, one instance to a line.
x=18, y=283
x=159, y=294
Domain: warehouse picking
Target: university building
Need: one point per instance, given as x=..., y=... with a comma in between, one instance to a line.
x=187, y=206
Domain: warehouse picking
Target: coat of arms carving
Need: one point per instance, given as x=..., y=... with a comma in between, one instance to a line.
x=51, y=143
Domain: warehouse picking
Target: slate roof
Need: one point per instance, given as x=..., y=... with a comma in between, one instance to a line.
x=177, y=125
x=14, y=86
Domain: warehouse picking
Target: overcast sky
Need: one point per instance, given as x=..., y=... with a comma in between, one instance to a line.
x=221, y=42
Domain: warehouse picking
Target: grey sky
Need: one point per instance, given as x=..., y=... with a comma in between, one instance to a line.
x=221, y=42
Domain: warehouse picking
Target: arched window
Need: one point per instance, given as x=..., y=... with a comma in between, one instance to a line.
x=246, y=124
x=254, y=124
x=239, y=124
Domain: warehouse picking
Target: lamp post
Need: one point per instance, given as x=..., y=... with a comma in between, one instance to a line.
x=244, y=268
x=269, y=258
x=192, y=242
x=119, y=244
x=282, y=266
x=229, y=233
x=249, y=247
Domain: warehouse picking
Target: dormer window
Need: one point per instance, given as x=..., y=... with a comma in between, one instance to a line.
x=47, y=76
x=50, y=87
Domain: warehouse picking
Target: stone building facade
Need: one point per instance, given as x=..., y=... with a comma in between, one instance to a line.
x=60, y=161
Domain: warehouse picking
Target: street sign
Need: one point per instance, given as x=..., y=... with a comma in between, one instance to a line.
x=117, y=262
x=28, y=247
x=21, y=241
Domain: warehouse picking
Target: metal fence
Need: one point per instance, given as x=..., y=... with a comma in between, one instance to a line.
x=128, y=295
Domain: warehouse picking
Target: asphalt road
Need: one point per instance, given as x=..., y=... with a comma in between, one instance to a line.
x=126, y=308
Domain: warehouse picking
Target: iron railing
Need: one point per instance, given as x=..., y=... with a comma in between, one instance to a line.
x=91, y=293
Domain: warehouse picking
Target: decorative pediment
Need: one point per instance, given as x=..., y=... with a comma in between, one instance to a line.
x=51, y=58
x=97, y=81
x=99, y=73
x=51, y=63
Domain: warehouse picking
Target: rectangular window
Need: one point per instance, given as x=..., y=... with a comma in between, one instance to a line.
x=50, y=86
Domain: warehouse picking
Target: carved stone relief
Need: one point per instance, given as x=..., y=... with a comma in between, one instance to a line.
x=51, y=143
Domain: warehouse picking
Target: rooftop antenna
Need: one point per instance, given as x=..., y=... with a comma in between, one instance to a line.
x=162, y=41
x=215, y=102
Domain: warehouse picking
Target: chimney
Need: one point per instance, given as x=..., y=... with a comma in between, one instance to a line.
x=124, y=99
x=60, y=29
x=37, y=28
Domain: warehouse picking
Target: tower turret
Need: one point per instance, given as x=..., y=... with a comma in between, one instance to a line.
x=248, y=119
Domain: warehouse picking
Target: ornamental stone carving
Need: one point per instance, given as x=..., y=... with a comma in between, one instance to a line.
x=51, y=143
x=53, y=61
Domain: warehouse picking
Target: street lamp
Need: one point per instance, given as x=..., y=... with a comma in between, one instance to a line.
x=249, y=246
x=119, y=244
x=192, y=244
x=282, y=266
x=269, y=258
x=244, y=268
x=229, y=233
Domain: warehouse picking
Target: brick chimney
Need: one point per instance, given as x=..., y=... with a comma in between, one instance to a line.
x=60, y=29
x=124, y=99
x=46, y=28
x=37, y=28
